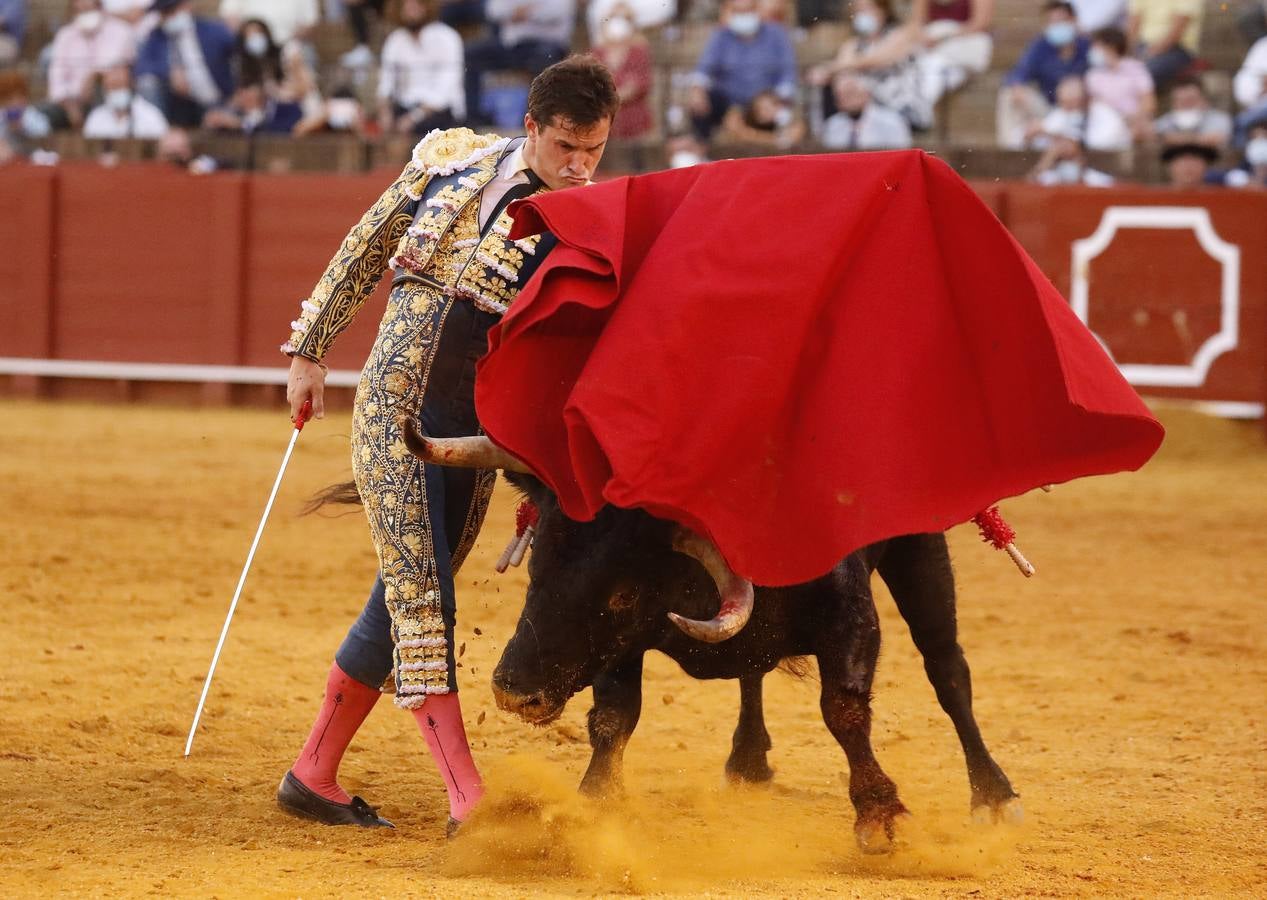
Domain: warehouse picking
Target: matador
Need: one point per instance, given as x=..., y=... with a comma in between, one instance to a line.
x=443, y=229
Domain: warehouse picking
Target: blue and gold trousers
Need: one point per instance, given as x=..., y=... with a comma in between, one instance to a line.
x=423, y=519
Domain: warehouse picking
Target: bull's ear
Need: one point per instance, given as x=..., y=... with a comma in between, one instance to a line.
x=532, y=487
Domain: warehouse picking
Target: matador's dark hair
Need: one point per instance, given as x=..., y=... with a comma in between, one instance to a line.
x=578, y=91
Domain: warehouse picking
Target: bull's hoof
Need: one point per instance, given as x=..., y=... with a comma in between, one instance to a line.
x=880, y=835
x=1009, y=812
x=602, y=788
x=749, y=771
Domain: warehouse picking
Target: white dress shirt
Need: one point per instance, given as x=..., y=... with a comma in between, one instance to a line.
x=143, y=121
x=550, y=21
x=512, y=171
x=426, y=70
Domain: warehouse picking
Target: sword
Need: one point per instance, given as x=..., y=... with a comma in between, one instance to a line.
x=304, y=412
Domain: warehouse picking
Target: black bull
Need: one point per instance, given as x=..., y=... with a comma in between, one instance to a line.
x=598, y=597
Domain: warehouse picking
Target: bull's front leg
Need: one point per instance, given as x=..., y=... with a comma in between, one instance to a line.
x=916, y=569
x=751, y=742
x=847, y=655
x=617, y=706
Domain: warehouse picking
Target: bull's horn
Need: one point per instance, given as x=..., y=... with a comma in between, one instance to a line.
x=736, y=593
x=476, y=452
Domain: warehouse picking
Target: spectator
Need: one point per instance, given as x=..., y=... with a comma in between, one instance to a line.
x=744, y=56
x=176, y=147
x=1096, y=14
x=1168, y=33
x=625, y=52
x=1252, y=173
x=957, y=43
x=21, y=124
x=1191, y=120
x=341, y=113
x=1252, y=20
x=1188, y=165
x=12, y=30
x=282, y=71
x=643, y=14
x=860, y=123
x=185, y=65
x=123, y=114
x=287, y=20
x=253, y=110
x=1120, y=91
x=884, y=53
x=767, y=121
x=1030, y=88
x=1068, y=119
x=82, y=49
x=1250, y=88
x=531, y=34
x=1065, y=163
x=360, y=56
x=420, y=85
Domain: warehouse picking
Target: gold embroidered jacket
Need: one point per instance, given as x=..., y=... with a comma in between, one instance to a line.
x=417, y=228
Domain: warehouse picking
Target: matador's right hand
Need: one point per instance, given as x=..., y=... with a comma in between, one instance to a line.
x=307, y=381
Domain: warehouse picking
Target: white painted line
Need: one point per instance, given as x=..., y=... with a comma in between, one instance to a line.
x=126, y=371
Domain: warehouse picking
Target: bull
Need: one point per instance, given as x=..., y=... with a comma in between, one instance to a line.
x=603, y=593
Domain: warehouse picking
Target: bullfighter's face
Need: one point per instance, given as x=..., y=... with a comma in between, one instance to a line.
x=562, y=154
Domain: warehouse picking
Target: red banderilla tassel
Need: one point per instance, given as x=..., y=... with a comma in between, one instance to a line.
x=999, y=534
x=526, y=518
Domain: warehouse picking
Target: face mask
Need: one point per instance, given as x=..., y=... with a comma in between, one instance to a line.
x=1096, y=58
x=256, y=44
x=177, y=23
x=1256, y=152
x=619, y=29
x=745, y=24
x=120, y=99
x=1060, y=34
x=1186, y=119
x=89, y=21
x=866, y=23
x=341, y=113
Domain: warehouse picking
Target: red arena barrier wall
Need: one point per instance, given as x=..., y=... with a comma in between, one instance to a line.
x=132, y=275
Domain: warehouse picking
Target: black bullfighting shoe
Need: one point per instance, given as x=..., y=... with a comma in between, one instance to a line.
x=451, y=830
x=295, y=798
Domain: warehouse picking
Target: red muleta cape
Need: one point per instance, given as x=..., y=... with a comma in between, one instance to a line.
x=797, y=357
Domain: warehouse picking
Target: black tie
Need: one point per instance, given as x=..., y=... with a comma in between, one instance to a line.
x=516, y=192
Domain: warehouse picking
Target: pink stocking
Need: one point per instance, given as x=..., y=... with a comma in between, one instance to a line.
x=440, y=721
x=347, y=702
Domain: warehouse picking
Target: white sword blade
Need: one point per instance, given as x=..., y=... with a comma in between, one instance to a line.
x=224, y=632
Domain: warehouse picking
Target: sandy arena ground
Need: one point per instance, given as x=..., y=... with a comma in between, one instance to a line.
x=1122, y=689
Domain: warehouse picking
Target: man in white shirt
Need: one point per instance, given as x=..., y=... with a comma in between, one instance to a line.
x=82, y=49
x=861, y=123
x=420, y=83
x=532, y=35
x=123, y=114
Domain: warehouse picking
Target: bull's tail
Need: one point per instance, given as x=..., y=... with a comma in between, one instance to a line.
x=343, y=493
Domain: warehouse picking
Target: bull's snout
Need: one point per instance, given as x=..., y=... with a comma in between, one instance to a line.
x=531, y=706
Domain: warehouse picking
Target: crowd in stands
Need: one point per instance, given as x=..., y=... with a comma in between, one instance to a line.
x=1097, y=77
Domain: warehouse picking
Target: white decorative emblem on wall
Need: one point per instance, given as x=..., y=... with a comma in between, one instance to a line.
x=1197, y=220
